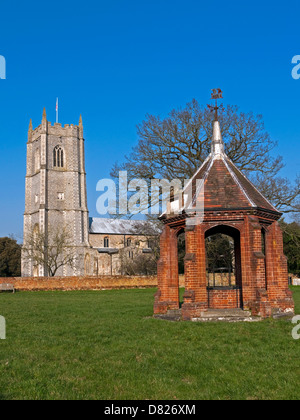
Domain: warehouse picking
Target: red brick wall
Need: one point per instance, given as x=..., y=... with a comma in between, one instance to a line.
x=262, y=276
x=224, y=299
x=82, y=283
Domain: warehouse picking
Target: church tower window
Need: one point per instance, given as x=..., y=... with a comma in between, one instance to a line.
x=58, y=157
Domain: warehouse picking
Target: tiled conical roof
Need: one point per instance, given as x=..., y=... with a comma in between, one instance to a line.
x=225, y=186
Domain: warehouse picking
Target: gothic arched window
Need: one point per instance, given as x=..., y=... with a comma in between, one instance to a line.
x=58, y=157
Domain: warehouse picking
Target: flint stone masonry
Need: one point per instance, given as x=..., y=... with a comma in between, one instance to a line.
x=56, y=197
x=55, y=194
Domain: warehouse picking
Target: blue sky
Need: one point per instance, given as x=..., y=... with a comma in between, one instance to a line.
x=115, y=61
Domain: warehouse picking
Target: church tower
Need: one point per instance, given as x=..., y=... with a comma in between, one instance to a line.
x=55, y=191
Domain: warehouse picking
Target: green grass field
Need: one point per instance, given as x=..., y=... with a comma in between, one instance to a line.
x=105, y=345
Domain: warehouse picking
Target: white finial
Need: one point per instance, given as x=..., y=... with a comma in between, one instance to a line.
x=217, y=147
x=56, y=109
x=217, y=140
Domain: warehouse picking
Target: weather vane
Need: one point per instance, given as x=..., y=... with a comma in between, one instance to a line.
x=216, y=94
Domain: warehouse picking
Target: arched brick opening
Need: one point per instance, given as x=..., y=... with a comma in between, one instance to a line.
x=225, y=291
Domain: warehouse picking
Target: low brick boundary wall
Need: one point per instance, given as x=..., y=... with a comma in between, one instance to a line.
x=82, y=283
x=296, y=282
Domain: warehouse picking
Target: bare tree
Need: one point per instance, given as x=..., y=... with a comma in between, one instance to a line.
x=283, y=194
x=140, y=265
x=144, y=257
x=175, y=147
x=51, y=251
x=291, y=240
x=150, y=231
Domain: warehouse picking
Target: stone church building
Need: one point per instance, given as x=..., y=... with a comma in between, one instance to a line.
x=56, y=199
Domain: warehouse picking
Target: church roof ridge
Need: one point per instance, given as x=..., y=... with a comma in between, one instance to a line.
x=113, y=226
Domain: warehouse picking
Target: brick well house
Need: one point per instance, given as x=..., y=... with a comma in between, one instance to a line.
x=234, y=207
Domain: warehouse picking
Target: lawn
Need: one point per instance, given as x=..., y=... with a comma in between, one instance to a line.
x=105, y=345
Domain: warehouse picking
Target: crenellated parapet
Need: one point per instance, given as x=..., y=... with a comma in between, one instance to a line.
x=56, y=129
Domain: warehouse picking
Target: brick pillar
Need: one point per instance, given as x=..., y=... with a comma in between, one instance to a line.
x=258, y=257
x=277, y=271
x=167, y=296
x=261, y=305
x=195, y=296
x=247, y=284
x=238, y=262
x=271, y=277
